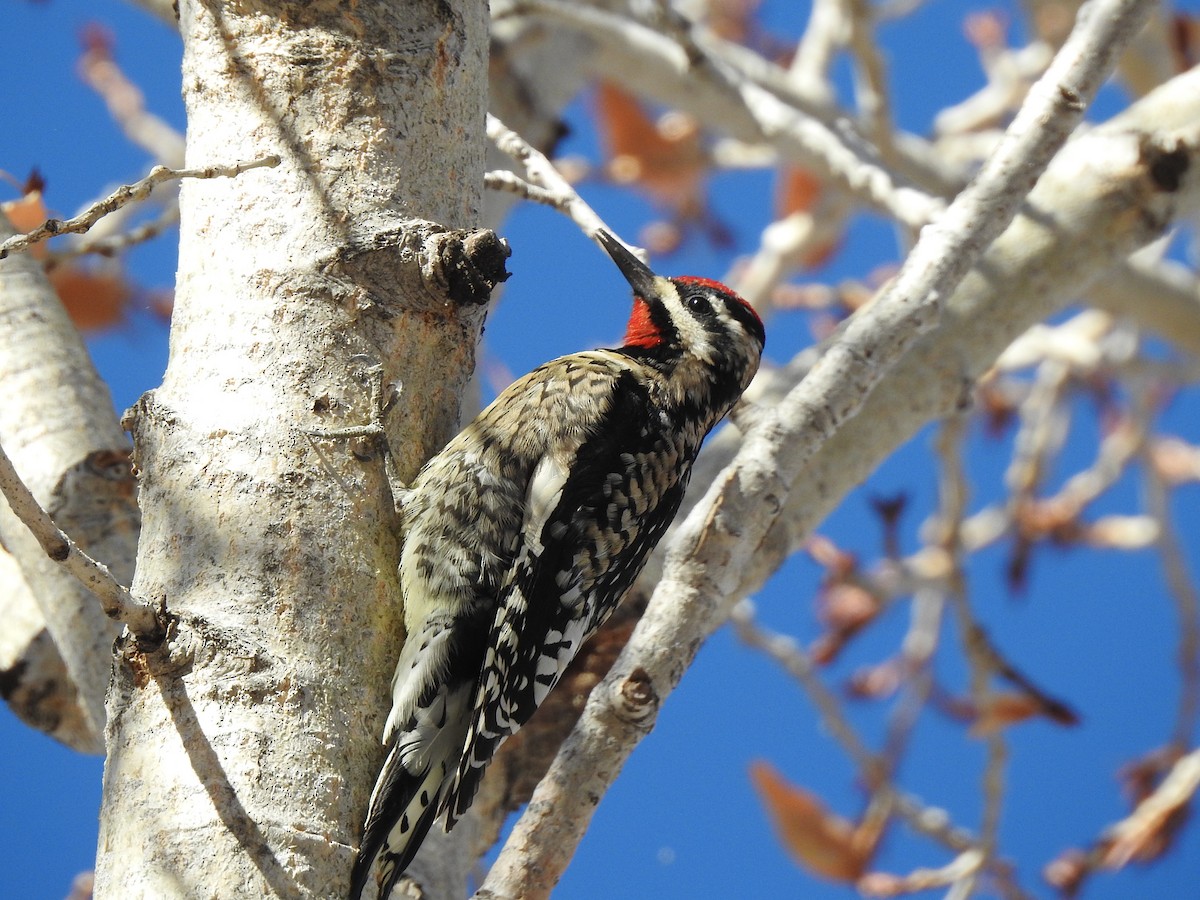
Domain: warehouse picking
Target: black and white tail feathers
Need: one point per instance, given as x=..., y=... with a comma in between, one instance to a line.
x=409, y=792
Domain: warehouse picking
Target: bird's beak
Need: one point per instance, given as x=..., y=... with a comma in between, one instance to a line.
x=636, y=272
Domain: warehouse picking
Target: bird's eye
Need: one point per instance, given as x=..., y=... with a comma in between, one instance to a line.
x=697, y=303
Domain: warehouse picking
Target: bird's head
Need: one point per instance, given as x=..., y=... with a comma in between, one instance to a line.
x=688, y=320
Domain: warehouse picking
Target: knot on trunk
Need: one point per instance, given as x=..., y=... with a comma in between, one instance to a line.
x=465, y=266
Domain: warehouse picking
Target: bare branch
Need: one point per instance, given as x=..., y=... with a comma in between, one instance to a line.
x=824, y=35
x=126, y=102
x=1123, y=840
x=123, y=195
x=871, y=88
x=143, y=619
x=979, y=655
x=1161, y=295
x=962, y=870
x=771, y=111
x=548, y=185
x=504, y=180
x=112, y=244
x=788, y=654
x=1187, y=604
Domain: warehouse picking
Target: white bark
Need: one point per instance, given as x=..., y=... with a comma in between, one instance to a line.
x=242, y=751
x=34, y=682
x=1097, y=203
x=61, y=433
x=1100, y=200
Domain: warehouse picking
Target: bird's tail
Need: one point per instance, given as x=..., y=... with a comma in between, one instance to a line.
x=408, y=794
x=403, y=808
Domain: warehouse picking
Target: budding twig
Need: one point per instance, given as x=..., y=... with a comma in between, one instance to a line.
x=112, y=244
x=125, y=194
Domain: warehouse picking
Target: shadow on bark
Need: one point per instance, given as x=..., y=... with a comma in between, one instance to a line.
x=209, y=770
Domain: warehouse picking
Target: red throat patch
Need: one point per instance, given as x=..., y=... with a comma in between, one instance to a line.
x=641, y=332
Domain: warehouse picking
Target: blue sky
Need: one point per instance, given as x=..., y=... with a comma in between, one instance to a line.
x=682, y=821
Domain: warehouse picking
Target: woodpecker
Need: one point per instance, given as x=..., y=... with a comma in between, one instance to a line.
x=526, y=531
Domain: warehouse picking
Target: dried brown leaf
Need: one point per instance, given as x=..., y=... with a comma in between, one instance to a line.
x=821, y=841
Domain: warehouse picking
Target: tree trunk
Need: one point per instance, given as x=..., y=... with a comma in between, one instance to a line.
x=242, y=751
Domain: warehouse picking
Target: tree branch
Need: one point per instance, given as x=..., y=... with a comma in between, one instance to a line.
x=549, y=186
x=755, y=112
x=123, y=195
x=710, y=552
x=59, y=430
x=143, y=619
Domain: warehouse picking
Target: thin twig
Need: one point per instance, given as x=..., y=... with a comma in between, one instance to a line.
x=981, y=658
x=919, y=643
x=785, y=242
x=126, y=103
x=777, y=111
x=122, y=196
x=1123, y=840
x=111, y=245
x=788, y=654
x=504, y=180
x=824, y=35
x=962, y=868
x=1043, y=430
x=870, y=83
x=1183, y=593
x=546, y=184
x=143, y=618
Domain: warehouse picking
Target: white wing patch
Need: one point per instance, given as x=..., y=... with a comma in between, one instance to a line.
x=542, y=498
x=544, y=495
x=422, y=662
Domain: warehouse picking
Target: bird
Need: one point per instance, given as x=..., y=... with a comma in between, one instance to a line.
x=524, y=533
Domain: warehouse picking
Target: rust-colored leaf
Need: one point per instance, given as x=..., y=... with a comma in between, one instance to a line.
x=1003, y=710
x=666, y=157
x=1006, y=708
x=821, y=841
x=1185, y=40
x=94, y=298
x=27, y=213
x=799, y=191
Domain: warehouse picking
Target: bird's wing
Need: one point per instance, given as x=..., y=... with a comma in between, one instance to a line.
x=591, y=517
